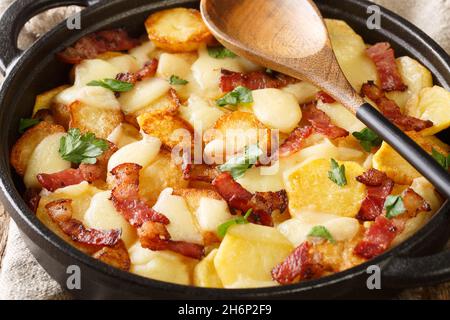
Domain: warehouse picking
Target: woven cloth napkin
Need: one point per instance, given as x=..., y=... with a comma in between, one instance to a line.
x=21, y=277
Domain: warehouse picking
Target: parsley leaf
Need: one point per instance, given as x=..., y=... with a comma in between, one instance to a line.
x=321, y=232
x=27, y=123
x=337, y=174
x=81, y=148
x=175, y=80
x=112, y=84
x=238, y=165
x=223, y=228
x=238, y=95
x=368, y=139
x=443, y=160
x=394, y=206
x=220, y=52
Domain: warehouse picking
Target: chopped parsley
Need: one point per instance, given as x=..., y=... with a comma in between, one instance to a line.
x=443, y=160
x=368, y=139
x=26, y=124
x=321, y=232
x=238, y=165
x=112, y=84
x=223, y=228
x=81, y=148
x=175, y=80
x=220, y=52
x=394, y=206
x=337, y=173
x=238, y=95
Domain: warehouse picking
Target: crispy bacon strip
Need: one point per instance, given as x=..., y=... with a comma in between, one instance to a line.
x=378, y=238
x=295, y=141
x=116, y=256
x=85, y=172
x=32, y=198
x=301, y=264
x=379, y=186
x=321, y=122
x=94, y=44
x=384, y=58
x=261, y=203
x=392, y=111
x=253, y=80
x=147, y=71
x=60, y=211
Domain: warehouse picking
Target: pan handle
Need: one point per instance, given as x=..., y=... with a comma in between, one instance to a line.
x=15, y=17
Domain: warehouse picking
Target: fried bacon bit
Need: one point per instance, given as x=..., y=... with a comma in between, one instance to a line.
x=197, y=172
x=324, y=97
x=253, y=80
x=295, y=141
x=379, y=186
x=321, y=122
x=116, y=256
x=262, y=203
x=383, y=56
x=94, y=44
x=32, y=198
x=392, y=111
x=60, y=211
x=150, y=224
x=85, y=172
x=378, y=238
x=301, y=264
x=147, y=71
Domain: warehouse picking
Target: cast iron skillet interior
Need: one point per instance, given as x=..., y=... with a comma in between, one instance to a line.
x=37, y=70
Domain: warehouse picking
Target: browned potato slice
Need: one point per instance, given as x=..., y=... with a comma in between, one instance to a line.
x=61, y=114
x=24, y=147
x=169, y=128
x=193, y=196
x=44, y=100
x=169, y=102
x=160, y=174
x=90, y=119
x=178, y=30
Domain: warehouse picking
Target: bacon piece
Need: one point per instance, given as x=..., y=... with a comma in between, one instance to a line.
x=85, y=172
x=32, y=198
x=414, y=203
x=94, y=44
x=383, y=56
x=301, y=264
x=324, y=97
x=147, y=71
x=392, y=111
x=116, y=256
x=321, y=122
x=295, y=141
x=261, y=203
x=60, y=211
x=253, y=80
x=379, y=186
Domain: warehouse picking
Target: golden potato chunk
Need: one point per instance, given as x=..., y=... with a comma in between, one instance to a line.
x=169, y=128
x=386, y=159
x=310, y=189
x=24, y=147
x=177, y=30
x=91, y=119
x=205, y=274
x=44, y=100
x=247, y=255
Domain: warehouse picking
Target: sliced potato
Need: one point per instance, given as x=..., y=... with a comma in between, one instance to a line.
x=386, y=159
x=303, y=91
x=177, y=30
x=101, y=122
x=431, y=104
x=24, y=147
x=310, y=189
x=200, y=113
x=170, y=129
x=168, y=102
x=124, y=134
x=415, y=76
x=45, y=100
x=94, y=96
x=205, y=274
x=94, y=69
x=125, y=63
x=247, y=255
x=160, y=174
x=178, y=64
x=340, y=116
x=350, y=51
x=143, y=53
x=61, y=114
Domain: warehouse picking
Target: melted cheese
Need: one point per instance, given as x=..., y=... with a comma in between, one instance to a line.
x=143, y=53
x=200, y=114
x=173, y=64
x=94, y=69
x=124, y=134
x=340, y=116
x=125, y=63
x=93, y=96
x=303, y=91
x=211, y=213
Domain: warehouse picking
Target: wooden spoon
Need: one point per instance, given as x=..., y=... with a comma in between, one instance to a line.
x=290, y=36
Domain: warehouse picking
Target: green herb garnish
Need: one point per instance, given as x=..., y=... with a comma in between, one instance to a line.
x=238, y=165
x=238, y=95
x=175, y=80
x=443, y=160
x=112, y=84
x=220, y=52
x=394, y=206
x=81, y=148
x=27, y=124
x=368, y=139
x=321, y=232
x=223, y=228
x=337, y=173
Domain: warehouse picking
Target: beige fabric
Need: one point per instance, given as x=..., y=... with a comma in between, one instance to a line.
x=20, y=275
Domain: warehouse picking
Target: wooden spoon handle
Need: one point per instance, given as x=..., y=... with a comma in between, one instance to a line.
x=406, y=147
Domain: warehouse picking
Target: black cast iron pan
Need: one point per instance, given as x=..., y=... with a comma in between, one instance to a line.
x=415, y=262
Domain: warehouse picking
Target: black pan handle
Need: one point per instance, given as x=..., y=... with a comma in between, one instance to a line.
x=407, y=272
x=15, y=17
